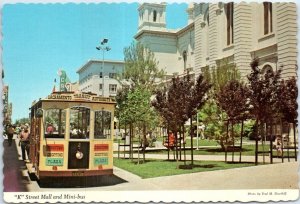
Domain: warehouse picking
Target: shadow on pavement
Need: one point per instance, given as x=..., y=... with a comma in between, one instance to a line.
x=80, y=182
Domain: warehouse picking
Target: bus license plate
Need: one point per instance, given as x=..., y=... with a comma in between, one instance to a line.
x=77, y=173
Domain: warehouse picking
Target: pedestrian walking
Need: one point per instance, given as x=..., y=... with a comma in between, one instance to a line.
x=24, y=142
x=201, y=130
x=10, y=133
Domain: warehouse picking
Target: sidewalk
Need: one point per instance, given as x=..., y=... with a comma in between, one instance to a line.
x=197, y=157
x=14, y=170
x=275, y=176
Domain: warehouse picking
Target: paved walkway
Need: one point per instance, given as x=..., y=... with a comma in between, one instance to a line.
x=275, y=176
x=16, y=178
x=197, y=157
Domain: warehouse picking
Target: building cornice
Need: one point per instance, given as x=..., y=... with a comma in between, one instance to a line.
x=161, y=5
x=186, y=28
x=166, y=32
x=83, y=67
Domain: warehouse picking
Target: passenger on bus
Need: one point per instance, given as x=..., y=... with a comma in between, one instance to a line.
x=75, y=132
x=50, y=129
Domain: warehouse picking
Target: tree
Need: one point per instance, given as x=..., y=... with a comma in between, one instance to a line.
x=263, y=98
x=141, y=68
x=180, y=101
x=133, y=102
x=233, y=99
x=287, y=104
x=212, y=115
x=220, y=75
x=287, y=99
x=22, y=121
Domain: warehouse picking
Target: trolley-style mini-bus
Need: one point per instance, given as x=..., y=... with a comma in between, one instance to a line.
x=72, y=135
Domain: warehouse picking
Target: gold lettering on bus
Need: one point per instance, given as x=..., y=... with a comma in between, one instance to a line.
x=95, y=98
x=54, y=154
x=98, y=154
x=62, y=97
x=83, y=96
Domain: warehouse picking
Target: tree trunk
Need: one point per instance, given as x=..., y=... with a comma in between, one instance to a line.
x=256, y=141
x=282, y=158
x=295, y=141
x=144, y=141
x=241, y=143
x=176, y=146
x=192, y=149
x=232, y=135
x=225, y=146
x=184, y=153
x=130, y=139
x=168, y=143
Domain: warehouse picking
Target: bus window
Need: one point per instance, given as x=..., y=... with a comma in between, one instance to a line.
x=79, y=123
x=55, y=123
x=102, y=124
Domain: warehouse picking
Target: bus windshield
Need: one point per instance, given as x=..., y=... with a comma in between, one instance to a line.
x=79, y=122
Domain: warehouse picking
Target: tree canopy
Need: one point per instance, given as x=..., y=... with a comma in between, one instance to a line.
x=180, y=100
x=141, y=68
x=233, y=99
x=263, y=89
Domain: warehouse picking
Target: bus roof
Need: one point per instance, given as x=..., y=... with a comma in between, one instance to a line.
x=76, y=97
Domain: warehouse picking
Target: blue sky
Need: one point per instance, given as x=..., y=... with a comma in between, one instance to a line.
x=38, y=39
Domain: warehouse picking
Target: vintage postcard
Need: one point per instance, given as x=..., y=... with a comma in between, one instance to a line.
x=149, y=101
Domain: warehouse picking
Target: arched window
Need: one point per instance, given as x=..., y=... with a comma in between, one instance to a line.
x=266, y=69
x=184, y=55
x=154, y=15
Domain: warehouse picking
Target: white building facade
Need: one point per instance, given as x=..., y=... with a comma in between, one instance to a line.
x=100, y=77
x=234, y=32
x=173, y=49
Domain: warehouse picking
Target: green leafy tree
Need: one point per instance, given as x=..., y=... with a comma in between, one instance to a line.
x=222, y=74
x=211, y=114
x=213, y=118
x=139, y=113
x=22, y=121
x=141, y=68
x=133, y=102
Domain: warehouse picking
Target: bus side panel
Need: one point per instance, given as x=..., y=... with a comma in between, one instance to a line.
x=101, y=154
x=53, y=155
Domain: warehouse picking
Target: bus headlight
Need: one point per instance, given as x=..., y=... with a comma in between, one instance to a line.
x=79, y=155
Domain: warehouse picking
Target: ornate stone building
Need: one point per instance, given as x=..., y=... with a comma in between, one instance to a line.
x=173, y=49
x=232, y=32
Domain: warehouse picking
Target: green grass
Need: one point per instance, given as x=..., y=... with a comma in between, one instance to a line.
x=157, y=168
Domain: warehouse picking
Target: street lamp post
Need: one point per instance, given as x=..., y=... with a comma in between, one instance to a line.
x=103, y=48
